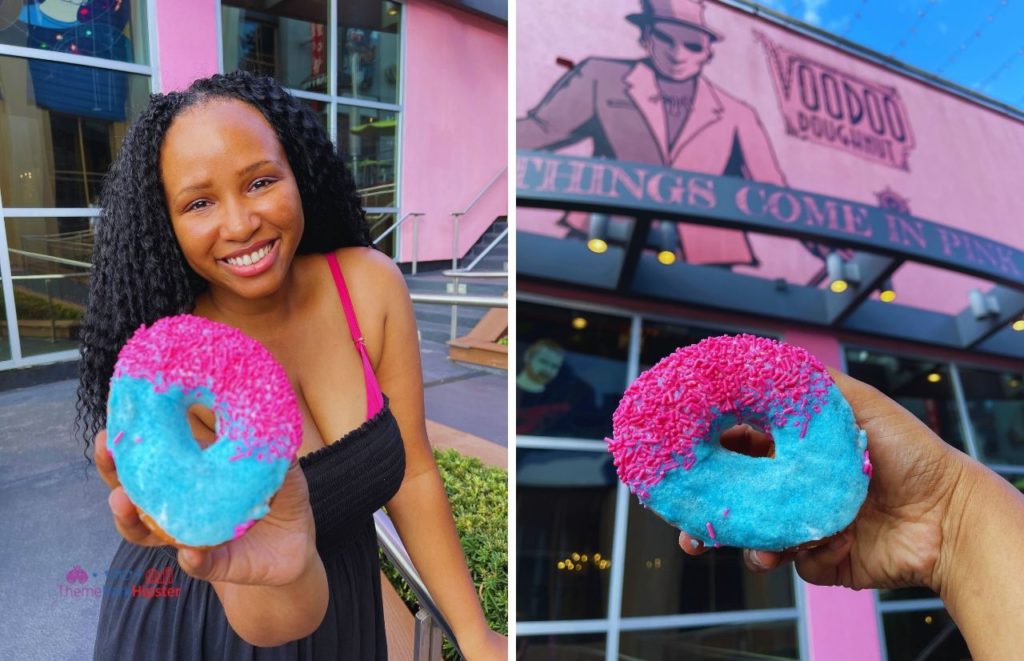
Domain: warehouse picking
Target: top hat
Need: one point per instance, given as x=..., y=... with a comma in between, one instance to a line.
x=684, y=12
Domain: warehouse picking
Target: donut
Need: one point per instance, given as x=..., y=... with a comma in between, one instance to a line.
x=666, y=445
x=189, y=495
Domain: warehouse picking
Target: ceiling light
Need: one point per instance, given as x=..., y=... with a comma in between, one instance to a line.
x=579, y=323
x=934, y=377
x=983, y=306
x=667, y=257
x=1018, y=325
x=840, y=273
x=597, y=245
x=597, y=234
x=667, y=238
x=887, y=294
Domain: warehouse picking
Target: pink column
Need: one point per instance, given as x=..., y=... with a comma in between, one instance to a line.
x=187, y=41
x=841, y=624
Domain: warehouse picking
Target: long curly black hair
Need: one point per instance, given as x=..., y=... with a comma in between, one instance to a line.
x=139, y=274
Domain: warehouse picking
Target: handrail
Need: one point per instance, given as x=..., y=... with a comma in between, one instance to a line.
x=460, y=299
x=400, y=221
x=50, y=258
x=481, y=193
x=458, y=214
x=52, y=276
x=486, y=250
x=459, y=273
x=395, y=551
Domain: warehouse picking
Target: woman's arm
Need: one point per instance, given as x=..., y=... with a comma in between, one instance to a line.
x=420, y=509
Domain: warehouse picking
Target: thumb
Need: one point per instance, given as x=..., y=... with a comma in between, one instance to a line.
x=198, y=563
x=826, y=564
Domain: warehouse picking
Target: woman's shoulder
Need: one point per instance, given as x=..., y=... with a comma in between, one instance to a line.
x=372, y=279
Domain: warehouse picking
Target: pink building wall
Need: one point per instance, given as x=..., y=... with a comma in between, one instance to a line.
x=961, y=170
x=455, y=126
x=186, y=41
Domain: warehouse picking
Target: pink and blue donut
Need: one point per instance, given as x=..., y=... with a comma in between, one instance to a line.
x=666, y=445
x=200, y=496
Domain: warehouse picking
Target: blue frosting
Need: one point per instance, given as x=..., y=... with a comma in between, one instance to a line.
x=198, y=496
x=812, y=488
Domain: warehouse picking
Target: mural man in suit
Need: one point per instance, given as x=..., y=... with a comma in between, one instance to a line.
x=662, y=110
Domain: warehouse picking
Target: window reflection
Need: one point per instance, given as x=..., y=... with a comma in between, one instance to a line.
x=731, y=641
x=50, y=262
x=570, y=371
x=920, y=386
x=566, y=514
x=287, y=41
x=588, y=647
x=60, y=127
x=97, y=28
x=995, y=407
x=368, y=65
x=366, y=138
x=930, y=634
x=5, y=336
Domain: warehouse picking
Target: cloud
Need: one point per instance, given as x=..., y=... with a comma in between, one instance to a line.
x=811, y=8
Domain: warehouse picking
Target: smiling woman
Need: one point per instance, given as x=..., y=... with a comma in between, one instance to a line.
x=227, y=201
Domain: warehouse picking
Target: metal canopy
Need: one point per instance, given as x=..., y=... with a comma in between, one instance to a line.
x=883, y=239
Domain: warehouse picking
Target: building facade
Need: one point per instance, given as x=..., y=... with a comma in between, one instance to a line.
x=763, y=179
x=412, y=92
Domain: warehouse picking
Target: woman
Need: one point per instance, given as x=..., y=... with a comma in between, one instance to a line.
x=229, y=202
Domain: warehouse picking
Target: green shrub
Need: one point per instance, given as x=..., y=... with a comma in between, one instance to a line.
x=35, y=306
x=479, y=499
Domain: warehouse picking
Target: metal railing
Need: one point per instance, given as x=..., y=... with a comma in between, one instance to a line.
x=415, y=235
x=456, y=215
x=486, y=251
x=463, y=299
x=430, y=622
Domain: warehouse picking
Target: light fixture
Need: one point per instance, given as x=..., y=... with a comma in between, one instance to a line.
x=934, y=377
x=983, y=306
x=667, y=237
x=579, y=323
x=598, y=233
x=840, y=273
x=887, y=294
x=392, y=8
x=1018, y=325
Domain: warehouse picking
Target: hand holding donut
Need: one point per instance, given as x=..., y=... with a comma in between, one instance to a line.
x=896, y=539
x=274, y=552
x=933, y=517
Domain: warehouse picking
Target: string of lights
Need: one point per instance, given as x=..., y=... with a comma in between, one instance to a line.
x=921, y=14
x=857, y=15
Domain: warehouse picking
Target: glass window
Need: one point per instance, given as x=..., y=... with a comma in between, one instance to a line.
x=659, y=340
x=661, y=580
x=60, y=127
x=995, y=407
x=50, y=262
x=379, y=223
x=922, y=387
x=98, y=28
x=929, y=634
x=585, y=647
x=761, y=641
x=566, y=515
x=366, y=138
x=368, y=63
x=570, y=371
x=284, y=40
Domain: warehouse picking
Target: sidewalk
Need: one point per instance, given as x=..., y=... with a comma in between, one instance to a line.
x=54, y=514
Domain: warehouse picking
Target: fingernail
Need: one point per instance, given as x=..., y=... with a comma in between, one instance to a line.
x=754, y=559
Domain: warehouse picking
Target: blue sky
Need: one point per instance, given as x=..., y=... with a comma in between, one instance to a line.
x=978, y=44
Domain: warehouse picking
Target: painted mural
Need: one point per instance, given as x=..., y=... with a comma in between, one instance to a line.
x=706, y=88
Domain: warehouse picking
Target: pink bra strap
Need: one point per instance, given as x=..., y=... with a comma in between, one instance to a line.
x=374, y=397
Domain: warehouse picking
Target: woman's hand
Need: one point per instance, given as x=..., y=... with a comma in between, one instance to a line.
x=897, y=538
x=278, y=549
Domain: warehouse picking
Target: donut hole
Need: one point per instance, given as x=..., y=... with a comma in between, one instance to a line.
x=749, y=439
x=203, y=423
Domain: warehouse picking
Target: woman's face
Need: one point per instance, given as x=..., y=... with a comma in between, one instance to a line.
x=232, y=197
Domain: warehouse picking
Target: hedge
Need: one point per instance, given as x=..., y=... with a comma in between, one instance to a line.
x=479, y=500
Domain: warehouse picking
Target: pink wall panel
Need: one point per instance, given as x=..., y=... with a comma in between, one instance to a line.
x=187, y=41
x=455, y=131
x=960, y=167
x=841, y=623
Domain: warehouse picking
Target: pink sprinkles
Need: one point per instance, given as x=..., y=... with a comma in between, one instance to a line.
x=868, y=470
x=249, y=385
x=675, y=405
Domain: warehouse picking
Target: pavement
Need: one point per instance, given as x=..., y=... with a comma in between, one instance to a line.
x=54, y=516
